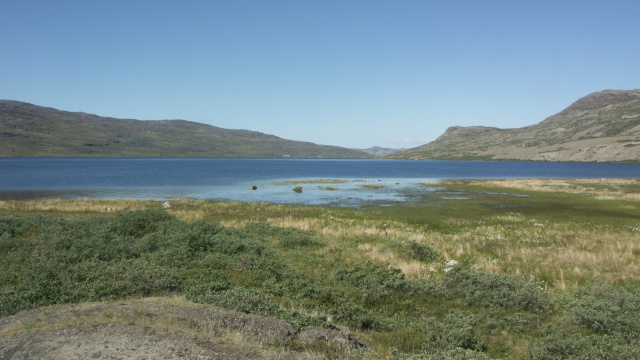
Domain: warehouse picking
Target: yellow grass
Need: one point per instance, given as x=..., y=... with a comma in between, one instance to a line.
x=599, y=188
x=561, y=253
x=76, y=206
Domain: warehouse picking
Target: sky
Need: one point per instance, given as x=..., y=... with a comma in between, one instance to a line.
x=349, y=73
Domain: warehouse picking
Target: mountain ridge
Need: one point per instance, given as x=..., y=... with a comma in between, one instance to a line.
x=378, y=151
x=600, y=127
x=28, y=130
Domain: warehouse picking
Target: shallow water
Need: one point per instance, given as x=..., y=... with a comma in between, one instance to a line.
x=382, y=181
x=350, y=193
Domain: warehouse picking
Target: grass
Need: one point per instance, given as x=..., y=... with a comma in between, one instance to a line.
x=312, y=181
x=372, y=186
x=533, y=257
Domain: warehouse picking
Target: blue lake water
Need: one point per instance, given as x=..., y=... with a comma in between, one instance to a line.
x=232, y=179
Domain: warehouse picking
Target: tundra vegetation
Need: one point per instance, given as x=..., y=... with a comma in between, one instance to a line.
x=524, y=269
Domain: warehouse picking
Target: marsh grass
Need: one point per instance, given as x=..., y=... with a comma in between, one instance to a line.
x=382, y=271
x=312, y=181
x=372, y=186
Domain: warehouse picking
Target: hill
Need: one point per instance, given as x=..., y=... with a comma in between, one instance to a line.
x=379, y=151
x=601, y=127
x=30, y=130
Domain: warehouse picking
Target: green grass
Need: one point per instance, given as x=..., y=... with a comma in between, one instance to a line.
x=552, y=274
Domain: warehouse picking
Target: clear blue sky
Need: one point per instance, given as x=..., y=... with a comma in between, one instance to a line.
x=348, y=73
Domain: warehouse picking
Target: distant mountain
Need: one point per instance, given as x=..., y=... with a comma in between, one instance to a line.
x=379, y=151
x=30, y=130
x=603, y=127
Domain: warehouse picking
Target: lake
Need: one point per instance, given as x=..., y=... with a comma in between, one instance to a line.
x=232, y=179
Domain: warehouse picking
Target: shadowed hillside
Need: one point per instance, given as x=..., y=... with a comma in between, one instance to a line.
x=30, y=130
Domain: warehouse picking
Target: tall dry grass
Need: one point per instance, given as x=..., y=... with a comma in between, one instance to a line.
x=75, y=206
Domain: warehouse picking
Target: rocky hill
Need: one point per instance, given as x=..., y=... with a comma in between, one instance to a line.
x=30, y=130
x=379, y=151
x=600, y=127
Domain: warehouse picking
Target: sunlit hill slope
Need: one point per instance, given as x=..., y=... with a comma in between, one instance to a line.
x=600, y=127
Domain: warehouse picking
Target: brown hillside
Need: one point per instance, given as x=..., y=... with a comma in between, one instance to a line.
x=602, y=127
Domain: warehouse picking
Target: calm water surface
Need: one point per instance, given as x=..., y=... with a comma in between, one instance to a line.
x=232, y=179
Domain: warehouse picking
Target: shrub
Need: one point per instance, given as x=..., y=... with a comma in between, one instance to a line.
x=457, y=353
x=416, y=251
x=138, y=223
x=609, y=310
x=123, y=279
x=301, y=241
x=7, y=242
x=456, y=330
x=486, y=289
x=355, y=316
x=50, y=260
x=246, y=300
x=374, y=279
x=557, y=344
x=288, y=237
x=453, y=337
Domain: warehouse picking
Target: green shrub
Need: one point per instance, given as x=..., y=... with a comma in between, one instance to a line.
x=246, y=300
x=354, y=315
x=416, y=251
x=456, y=330
x=374, y=279
x=50, y=260
x=7, y=242
x=138, y=223
x=457, y=353
x=560, y=344
x=486, y=289
x=453, y=337
x=287, y=237
x=557, y=344
x=616, y=347
x=609, y=310
x=303, y=241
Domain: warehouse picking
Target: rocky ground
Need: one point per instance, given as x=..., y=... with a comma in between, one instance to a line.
x=161, y=328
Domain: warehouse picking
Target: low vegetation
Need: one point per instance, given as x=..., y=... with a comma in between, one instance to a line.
x=504, y=270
